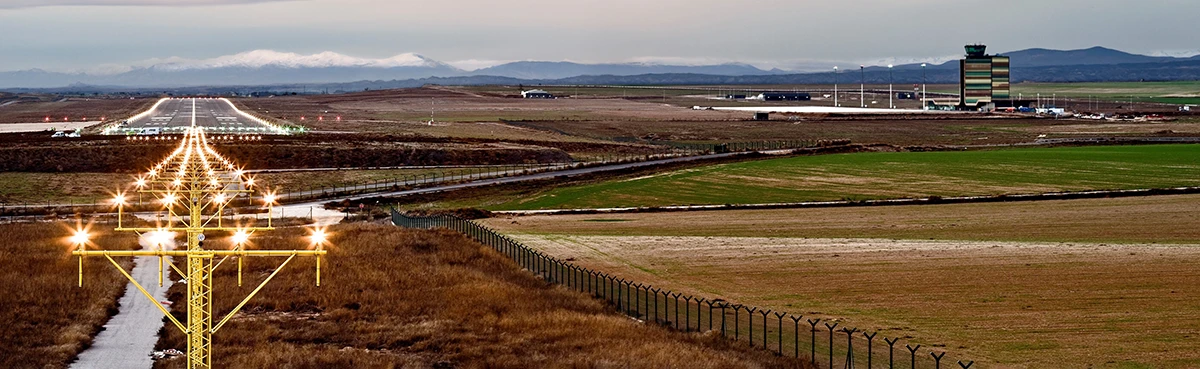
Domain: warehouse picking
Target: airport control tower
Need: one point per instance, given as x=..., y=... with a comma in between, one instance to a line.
x=983, y=79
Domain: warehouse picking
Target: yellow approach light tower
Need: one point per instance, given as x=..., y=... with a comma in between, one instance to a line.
x=194, y=185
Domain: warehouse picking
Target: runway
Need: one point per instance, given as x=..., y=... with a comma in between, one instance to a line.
x=214, y=115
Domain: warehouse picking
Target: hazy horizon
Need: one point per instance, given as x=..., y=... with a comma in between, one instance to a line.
x=100, y=35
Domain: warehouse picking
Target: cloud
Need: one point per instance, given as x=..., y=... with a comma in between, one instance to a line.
x=18, y=4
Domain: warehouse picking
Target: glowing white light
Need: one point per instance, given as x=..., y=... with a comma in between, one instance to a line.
x=318, y=236
x=240, y=237
x=159, y=237
x=168, y=199
x=80, y=237
x=269, y=198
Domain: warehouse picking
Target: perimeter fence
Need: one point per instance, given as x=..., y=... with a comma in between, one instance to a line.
x=464, y=174
x=422, y=177
x=824, y=342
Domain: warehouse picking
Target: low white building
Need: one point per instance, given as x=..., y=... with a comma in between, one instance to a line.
x=536, y=94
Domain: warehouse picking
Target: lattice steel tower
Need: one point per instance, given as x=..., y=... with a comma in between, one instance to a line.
x=199, y=182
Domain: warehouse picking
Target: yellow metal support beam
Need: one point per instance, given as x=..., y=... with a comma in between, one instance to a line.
x=252, y=293
x=148, y=296
x=201, y=186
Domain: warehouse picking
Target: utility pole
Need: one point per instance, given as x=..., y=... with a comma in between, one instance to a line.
x=891, y=93
x=862, y=87
x=835, y=83
x=203, y=184
x=924, y=91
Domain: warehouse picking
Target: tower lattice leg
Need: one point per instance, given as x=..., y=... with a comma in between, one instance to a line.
x=199, y=313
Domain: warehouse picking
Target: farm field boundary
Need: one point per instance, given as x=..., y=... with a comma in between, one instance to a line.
x=1073, y=195
x=879, y=175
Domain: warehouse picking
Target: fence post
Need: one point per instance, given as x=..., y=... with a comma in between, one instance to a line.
x=796, y=333
x=831, y=327
x=891, y=351
x=937, y=359
x=913, y=354
x=737, y=320
x=656, y=291
x=637, y=300
x=850, y=347
x=687, y=313
x=870, y=349
x=780, y=338
x=764, y=314
x=647, y=301
x=751, y=311
x=676, y=296
x=967, y=365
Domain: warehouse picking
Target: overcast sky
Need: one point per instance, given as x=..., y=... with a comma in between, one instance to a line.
x=85, y=34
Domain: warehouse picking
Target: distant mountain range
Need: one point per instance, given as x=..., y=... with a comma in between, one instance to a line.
x=326, y=70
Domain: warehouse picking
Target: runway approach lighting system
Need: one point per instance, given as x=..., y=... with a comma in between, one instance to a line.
x=194, y=184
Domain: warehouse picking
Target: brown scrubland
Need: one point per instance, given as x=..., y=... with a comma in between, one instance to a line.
x=46, y=319
x=394, y=298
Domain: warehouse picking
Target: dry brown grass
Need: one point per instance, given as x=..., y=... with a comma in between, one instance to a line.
x=1064, y=296
x=420, y=299
x=45, y=319
x=75, y=108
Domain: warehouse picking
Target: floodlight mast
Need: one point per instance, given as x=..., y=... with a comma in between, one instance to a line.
x=204, y=184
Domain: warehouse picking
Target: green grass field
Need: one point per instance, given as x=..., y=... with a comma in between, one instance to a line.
x=1183, y=92
x=881, y=175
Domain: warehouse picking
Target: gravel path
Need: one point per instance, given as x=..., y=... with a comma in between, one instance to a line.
x=129, y=337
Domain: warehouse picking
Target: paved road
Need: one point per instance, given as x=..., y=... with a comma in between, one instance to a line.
x=129, y=337
x=175, y=114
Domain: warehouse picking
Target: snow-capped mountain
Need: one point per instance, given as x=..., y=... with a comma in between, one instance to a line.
x=258, y=67
x=271, y=58
x=268, y=67
x=555, y=70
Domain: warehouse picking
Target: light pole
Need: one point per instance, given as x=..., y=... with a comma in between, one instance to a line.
x=923, y=90
x=891, y=94
x=835, y=82
x=862, y=86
